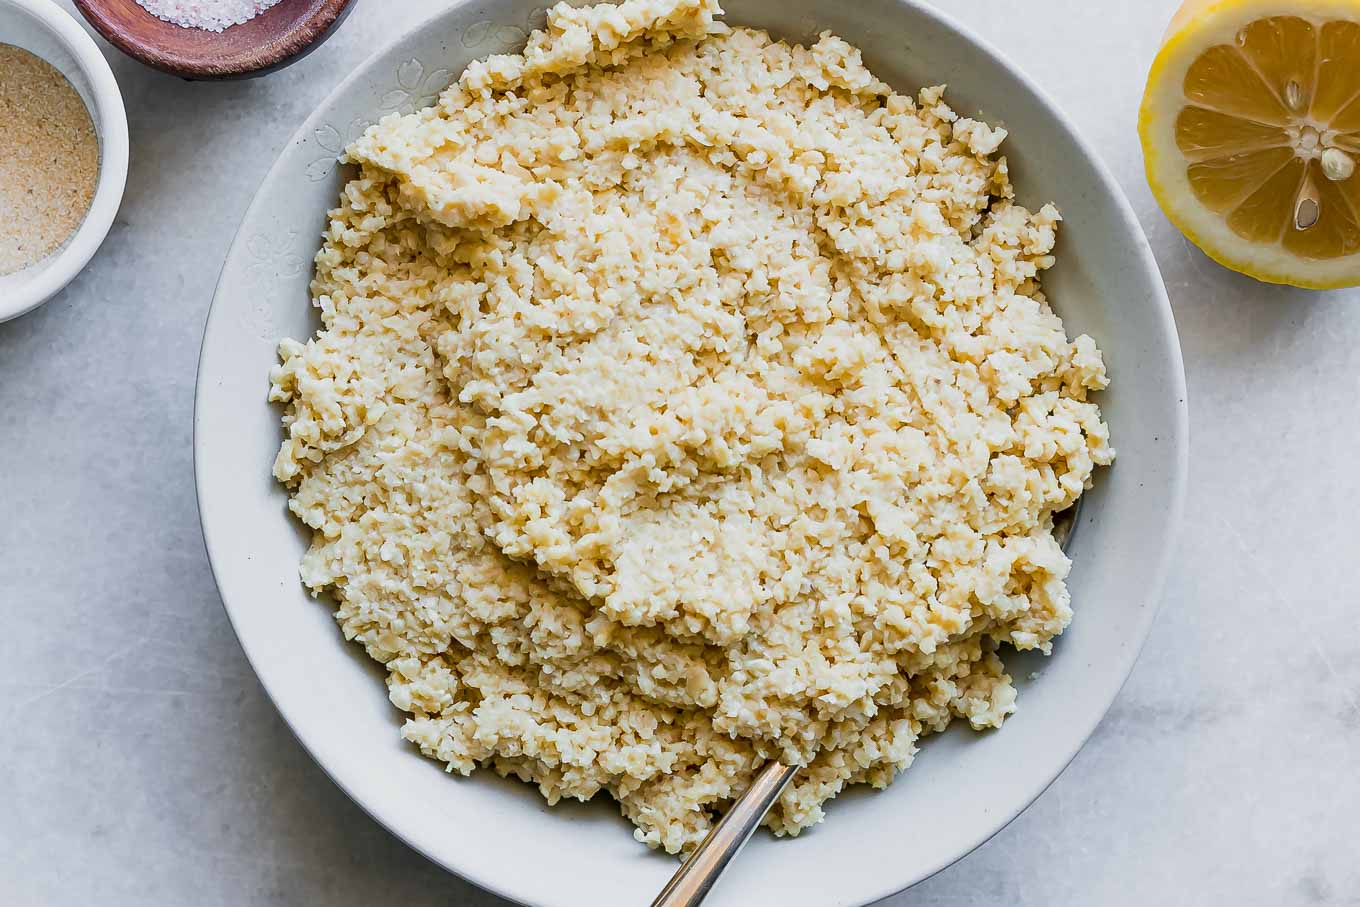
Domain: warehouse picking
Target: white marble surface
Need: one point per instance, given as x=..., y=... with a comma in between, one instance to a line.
x=140, y=762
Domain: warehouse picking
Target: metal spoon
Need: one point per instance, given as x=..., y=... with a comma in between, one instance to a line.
x=691, y=883
x=698, y=874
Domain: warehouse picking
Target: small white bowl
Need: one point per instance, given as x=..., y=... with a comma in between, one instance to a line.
x=44, y=29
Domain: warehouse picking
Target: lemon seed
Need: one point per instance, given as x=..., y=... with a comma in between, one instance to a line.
x=1337, y=165
x=1293, y=96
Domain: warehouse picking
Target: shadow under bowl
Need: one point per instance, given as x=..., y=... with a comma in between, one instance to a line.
x=280, y=35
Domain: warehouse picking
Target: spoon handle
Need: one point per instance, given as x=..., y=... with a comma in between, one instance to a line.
x=692, y=881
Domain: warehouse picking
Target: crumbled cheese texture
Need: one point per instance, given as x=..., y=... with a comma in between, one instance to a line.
x=686, y=400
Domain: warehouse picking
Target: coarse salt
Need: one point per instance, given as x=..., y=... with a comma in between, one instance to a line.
x=209, y=15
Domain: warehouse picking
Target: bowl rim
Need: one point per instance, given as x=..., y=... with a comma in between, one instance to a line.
x=1157, y=573
x=112, y=130
x=307, y=33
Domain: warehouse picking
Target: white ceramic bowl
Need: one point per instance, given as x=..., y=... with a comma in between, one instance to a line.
x=501, y=835
x=46, y=30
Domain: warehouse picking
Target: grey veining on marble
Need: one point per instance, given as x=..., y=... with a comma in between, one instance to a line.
x=141, y=764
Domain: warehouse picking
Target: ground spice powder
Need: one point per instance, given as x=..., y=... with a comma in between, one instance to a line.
x=49, y=159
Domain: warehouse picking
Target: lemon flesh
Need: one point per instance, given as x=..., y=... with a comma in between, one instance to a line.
x=1251, y=134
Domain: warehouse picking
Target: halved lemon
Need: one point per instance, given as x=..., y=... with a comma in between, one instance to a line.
x=1251, y=136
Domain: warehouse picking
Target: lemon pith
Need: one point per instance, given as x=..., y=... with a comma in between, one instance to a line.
x=1250, y=127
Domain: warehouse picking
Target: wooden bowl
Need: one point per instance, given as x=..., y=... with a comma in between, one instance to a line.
x=280, y=35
